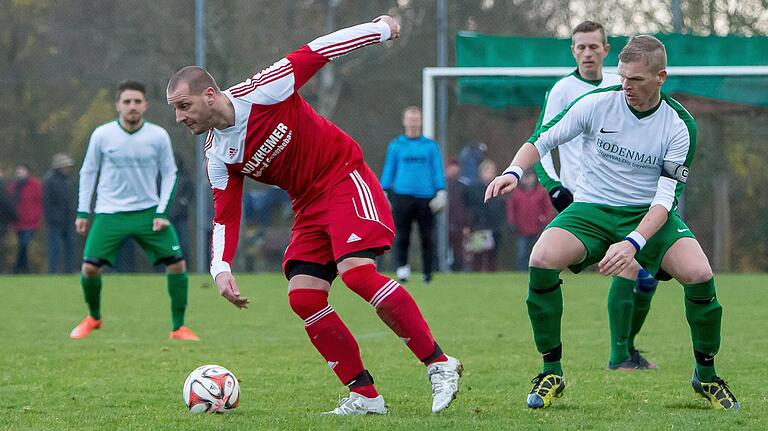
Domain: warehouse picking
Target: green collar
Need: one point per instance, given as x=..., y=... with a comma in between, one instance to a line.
x=143, y=122
x=640, y=115
x=594, y=82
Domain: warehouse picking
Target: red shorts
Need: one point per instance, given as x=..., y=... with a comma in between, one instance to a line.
x=351, y=216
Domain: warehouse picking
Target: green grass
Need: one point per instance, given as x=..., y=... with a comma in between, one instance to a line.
x=128, y=375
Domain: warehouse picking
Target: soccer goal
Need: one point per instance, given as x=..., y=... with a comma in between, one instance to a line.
x=732, y=141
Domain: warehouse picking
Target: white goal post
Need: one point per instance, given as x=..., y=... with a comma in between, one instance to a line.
x=431, y=74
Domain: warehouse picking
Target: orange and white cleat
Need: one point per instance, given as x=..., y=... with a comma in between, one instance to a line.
x=183, y=333
x=85, y=327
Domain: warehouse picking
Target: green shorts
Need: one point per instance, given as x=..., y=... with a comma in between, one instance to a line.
x=109, y=230
x=600, y=226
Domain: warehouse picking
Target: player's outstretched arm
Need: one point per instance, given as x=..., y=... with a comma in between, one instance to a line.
x=526, y=156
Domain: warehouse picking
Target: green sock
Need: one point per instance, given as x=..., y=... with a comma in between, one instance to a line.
x=177, y=289
x=92, y=293
x=555, y=367
x=545, y=309
x=620, y=306
x=704, y=314
x=705, y=373
x=642, y=305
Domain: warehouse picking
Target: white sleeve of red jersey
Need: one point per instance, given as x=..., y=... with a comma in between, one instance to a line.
x=279, y=81
x=227, y=202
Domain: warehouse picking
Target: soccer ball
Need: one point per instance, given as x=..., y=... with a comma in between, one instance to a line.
x=211, y=389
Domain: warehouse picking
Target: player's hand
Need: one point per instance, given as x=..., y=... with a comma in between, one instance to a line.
x=618, y=256
x=500, y=185
x=561, y=198
x=81, y=226
x=225, y=281
x=159, y=224
x=394, y=26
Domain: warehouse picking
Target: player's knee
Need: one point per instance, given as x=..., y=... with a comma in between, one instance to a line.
x=697, y=274
x=306, y=302
x=89, y=270
x=541, y=257
x=178, y=267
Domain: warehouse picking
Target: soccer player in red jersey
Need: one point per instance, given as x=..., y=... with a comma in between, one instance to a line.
x=263, y=129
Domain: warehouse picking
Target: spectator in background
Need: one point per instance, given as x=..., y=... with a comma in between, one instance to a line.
x=528, y=210
x=178, y=213
x=59, y=205
x=458, y=223
x=470, y=158
x=7, y=215
x=26, y=195
x=486, y=221
x=414, y=180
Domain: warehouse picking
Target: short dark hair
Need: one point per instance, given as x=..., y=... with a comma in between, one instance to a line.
x=130, y=85
x=647, y=49
x=196, y=78
x=589, y=27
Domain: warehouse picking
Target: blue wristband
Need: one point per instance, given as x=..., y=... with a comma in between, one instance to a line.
x=633, y=242
x=517, y=171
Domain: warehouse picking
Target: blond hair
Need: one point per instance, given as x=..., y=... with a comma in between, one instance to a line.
x=647, y=49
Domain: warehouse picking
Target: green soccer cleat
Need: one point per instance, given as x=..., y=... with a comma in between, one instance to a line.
x=716, y=392
x=546, y=387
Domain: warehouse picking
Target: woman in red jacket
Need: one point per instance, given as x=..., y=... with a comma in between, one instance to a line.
x=26, y=194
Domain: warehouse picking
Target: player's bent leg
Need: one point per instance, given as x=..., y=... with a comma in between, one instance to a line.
x=178, y=290
x=399, y=311
x=555, y=250
x=90, y=280
x=687, y=263
x=308, y=298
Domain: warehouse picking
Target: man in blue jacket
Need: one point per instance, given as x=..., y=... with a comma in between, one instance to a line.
x=415, y=183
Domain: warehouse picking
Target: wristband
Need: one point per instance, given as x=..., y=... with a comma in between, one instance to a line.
x=636, y=240
x=517, y=171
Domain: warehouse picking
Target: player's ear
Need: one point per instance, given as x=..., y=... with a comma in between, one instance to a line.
x=661, y=76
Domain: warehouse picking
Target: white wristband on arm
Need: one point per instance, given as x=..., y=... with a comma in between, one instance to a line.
x=517, y=171
x=636, y=240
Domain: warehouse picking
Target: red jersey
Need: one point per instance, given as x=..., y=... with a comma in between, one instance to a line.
x=279, y=139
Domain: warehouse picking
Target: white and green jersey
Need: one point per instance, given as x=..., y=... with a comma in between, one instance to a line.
x=127, y=165
x=627, y=157
x=562, y=94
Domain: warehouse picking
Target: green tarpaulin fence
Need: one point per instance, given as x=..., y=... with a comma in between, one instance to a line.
x=479, y=50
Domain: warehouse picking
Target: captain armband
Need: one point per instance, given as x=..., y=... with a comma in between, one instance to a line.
x=675, y=171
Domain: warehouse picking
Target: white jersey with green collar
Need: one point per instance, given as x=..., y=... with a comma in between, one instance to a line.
x=127, y=165
x=627, y=157
x=565, y=91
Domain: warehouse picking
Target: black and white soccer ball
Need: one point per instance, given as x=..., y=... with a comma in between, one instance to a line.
x=211, y=389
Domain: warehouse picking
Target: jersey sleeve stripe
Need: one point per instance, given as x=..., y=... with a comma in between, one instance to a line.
x=338, y=54
x=347, y=47
x=246, y=90
x=264, y=74
x=338, y=45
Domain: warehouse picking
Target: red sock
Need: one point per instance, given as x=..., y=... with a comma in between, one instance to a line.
x=330, y=336
x=397, y=309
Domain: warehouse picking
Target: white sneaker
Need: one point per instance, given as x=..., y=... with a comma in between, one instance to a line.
x=403, y=273
x=357, y=404
x=445, y=382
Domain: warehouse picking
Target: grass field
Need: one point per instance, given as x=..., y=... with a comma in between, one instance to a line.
x=128, y=375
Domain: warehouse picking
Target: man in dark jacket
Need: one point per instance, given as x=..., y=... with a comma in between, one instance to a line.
x=59, y=205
